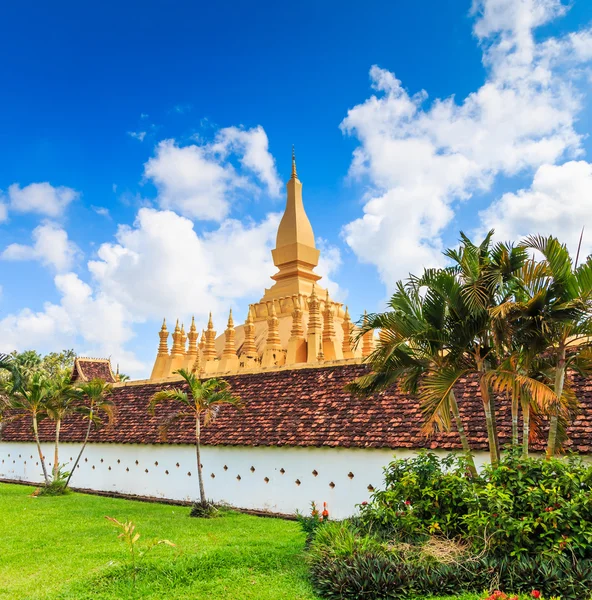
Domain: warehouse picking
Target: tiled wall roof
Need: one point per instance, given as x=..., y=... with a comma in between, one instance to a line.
x=306, y=407
x=86, y=369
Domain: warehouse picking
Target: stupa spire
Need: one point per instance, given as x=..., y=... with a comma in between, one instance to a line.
x=294, y=174
x=295, y=253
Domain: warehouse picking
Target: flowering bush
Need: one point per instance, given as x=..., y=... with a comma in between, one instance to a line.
x=310, y=523
x=423, y=496
x=532, y=506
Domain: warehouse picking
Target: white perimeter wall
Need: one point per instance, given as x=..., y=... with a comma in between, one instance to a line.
x=170, y=471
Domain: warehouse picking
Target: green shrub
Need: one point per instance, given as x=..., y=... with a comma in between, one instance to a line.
x=423, y=496
x=524, y=525
x=346, y=563
x=203, y=510
x=528, y=506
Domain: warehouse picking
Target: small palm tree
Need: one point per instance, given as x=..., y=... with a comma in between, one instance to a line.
x=7, y=385
x=96, y=392
x=62, y=400
x=201, y=401
x=412, y=342
x=563, y=305
x=31, y=400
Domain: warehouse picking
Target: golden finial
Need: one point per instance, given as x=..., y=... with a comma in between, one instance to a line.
x=193, y=327
x=294, y=174
x=177, y=326
x=210, y=322
x=230, y=320
x=346, y=316
x=163, y=328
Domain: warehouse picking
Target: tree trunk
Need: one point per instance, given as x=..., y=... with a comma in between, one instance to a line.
x=515, y=408
x=202, y=493
x=462, y=435
x=36, y=432
x=90, y=416
x=525, y=425
x=554, y=421
x=56, y=457
x=490, y=421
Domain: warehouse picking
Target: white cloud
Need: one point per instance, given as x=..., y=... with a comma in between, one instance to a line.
x=51, y=247
x=161, y=266
x=417, y=158
x=101, y=210
x=329, y=263
x=40, y=198
x=252, y=146
x=192, y=182
x=137, y=135
x=199, y=180
x=93, y=323
x=3, y=212
x=557, y=203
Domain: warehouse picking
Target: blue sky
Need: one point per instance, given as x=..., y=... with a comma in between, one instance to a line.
x=144, y=150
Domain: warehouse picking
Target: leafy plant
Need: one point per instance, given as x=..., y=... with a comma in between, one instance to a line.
x=131, y=539
x=423, y=496
x=58, y=485
x=310, y=523
x=531, y=506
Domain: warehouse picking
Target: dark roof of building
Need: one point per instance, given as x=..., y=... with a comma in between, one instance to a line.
x=306, y=407
x=86, y=369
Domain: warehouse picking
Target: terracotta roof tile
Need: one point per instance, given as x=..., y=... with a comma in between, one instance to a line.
x=86, y=369
x=306, y=407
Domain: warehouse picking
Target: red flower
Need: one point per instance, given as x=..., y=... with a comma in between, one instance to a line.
x=364, y=503
x=407, y=502
x=535, y=594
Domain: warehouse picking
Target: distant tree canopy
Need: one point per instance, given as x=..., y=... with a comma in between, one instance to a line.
x=53, y=364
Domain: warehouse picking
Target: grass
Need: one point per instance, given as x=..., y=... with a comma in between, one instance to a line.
x=62, y=547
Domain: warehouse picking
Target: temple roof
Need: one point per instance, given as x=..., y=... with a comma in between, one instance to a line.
x=305, y=407
x=86, y=369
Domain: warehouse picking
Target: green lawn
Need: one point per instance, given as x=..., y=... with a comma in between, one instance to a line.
x=63, y=547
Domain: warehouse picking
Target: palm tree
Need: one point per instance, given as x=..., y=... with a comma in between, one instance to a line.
x=7, y=385
x=97, y=393
x=412, y=342
x=31, y=399
x=561, y=308
x=62, y=401
x=481, y=278
x=201, y=401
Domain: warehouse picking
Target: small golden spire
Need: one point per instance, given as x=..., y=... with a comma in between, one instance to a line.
x=192, y=336
x=229, y=346
x=163, y=328
x=210, y=347
x=320, y=355
x=249, y=348
x=273, y=334
x=348, y=330
x=294, y=174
